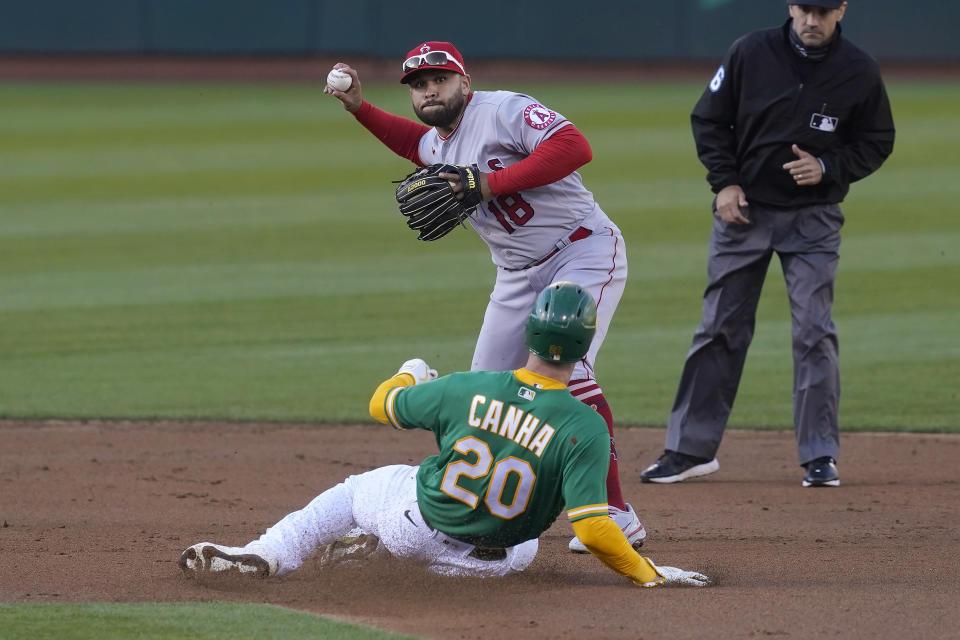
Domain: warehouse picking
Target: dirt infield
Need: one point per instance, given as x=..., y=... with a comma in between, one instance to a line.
x=99, y=511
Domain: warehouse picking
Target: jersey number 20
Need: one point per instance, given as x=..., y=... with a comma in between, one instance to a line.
x=494, y=498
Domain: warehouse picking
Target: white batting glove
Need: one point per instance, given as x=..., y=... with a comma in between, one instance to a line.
x=419, y=369
x=672, y=576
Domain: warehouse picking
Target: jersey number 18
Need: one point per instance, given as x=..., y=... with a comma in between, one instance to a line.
x=511, y=205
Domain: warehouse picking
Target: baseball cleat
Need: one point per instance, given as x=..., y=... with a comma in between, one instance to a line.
x=628, y=522
x=821, y=472
x=205, y=559
x=674, y=466
x=354, y=547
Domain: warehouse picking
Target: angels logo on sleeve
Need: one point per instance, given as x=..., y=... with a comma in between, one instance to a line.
x=538, y=116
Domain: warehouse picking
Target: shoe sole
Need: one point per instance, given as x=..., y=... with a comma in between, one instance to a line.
x=693, y=472
x=211, y=560
x=828, y=483
x=350, y=550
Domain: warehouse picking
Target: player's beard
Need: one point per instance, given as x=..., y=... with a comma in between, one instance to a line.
x=444, y=117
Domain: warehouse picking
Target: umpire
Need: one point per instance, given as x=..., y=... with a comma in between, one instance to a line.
x=792, y=117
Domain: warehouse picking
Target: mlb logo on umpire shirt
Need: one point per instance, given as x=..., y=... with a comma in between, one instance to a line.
x=823, y=123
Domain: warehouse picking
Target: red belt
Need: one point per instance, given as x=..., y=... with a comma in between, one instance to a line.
x=579, y=234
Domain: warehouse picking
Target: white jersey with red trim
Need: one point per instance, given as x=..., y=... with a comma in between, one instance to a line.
x=498, y=129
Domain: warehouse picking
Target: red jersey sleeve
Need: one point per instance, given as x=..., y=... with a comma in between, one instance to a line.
x=401, y=135
x=555, y=158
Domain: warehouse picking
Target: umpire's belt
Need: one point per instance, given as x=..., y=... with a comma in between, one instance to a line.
x=578, y=234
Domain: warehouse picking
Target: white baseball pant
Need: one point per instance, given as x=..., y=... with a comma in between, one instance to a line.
x=382, y=502
x=598, y=263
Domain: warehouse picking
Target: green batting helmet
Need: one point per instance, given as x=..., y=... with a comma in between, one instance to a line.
x=562, y=323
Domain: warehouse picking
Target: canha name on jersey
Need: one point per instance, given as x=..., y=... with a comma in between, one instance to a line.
x=510, y=422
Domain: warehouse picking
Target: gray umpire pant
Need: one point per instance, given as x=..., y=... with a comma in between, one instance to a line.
x=807, y=240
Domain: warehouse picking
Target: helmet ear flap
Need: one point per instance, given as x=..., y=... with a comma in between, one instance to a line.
x=562, y=323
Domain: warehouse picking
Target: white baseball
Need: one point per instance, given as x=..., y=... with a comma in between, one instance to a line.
x=339, y=80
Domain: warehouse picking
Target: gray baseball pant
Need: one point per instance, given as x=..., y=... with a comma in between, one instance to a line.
x=807, y=241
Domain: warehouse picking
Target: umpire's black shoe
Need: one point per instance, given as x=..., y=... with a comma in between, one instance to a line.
x=674, y=466
x=821, y=472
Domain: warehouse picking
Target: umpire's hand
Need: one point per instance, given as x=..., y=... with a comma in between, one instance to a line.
x=730, y=204
x=352, y=98
x=806, y=170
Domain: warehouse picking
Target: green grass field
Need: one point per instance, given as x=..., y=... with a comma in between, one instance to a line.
x=194, y=251
x=193, y=621
x=234, y=252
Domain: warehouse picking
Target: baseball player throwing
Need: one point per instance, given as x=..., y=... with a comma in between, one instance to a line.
x=515, y=449
x=539, y=222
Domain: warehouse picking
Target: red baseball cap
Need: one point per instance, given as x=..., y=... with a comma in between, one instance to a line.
x=433, y=55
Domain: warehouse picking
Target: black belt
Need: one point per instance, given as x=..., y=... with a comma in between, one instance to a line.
x=488, y=553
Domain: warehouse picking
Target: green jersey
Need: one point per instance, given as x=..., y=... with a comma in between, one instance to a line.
x=515, y=447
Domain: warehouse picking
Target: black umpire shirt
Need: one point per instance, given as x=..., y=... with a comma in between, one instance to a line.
x=766, y=97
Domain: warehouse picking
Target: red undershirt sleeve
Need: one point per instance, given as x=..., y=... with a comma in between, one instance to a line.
x=401, y=135
x=555, y=158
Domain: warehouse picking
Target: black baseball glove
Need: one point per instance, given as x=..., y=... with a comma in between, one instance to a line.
x=429, y=203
